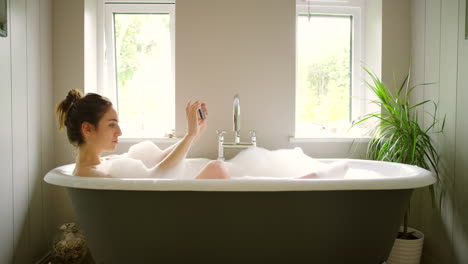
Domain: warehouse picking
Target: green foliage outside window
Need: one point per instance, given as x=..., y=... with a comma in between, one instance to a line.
x=143, y=55
x=130, y=45
x=326, y=97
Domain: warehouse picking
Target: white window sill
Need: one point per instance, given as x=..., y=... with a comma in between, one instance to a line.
x=329, y=139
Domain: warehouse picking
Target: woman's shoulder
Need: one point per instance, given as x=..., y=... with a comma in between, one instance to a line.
x=90, y=171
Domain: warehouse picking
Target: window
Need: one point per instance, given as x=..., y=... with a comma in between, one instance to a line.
x=139, y=44
x=328, y=91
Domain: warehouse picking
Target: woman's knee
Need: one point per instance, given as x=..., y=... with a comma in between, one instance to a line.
x=215, y=169
x=218, y=166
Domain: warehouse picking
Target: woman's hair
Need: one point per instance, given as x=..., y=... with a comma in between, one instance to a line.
x=76, y=109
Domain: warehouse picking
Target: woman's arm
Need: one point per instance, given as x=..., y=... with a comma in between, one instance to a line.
x=176, y=153
x=203, y=126
x=171, y=148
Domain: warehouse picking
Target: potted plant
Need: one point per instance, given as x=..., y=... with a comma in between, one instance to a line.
x=398, y=137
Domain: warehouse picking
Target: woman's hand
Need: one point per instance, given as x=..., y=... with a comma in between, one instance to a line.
x=203, y=123
x=195, y=125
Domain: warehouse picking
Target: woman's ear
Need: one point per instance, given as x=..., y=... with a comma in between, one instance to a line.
x=87, y=129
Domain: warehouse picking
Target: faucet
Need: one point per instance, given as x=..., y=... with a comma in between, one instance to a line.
x=237, y=143
x=236, y=118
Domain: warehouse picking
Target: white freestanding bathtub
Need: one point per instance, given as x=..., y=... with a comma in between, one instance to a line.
x=350, y=220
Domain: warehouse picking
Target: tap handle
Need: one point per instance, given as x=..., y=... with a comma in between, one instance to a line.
x=253, y=137
x=220, y=132
x=220, y=144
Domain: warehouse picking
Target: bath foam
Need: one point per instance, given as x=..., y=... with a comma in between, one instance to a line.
x=255, y=162
x=140, y=162
x=121, y=166
x=258, y=162
x=146, y=151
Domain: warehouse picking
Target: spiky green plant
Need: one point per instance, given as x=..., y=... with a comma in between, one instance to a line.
x=398, y=137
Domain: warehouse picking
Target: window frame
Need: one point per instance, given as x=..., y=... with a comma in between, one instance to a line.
x=108, y=83
x=356, y=9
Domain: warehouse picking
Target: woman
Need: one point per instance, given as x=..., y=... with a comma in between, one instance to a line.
x=92, y=126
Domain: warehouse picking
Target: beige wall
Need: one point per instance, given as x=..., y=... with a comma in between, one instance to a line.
x=395, y=40
x=373, y=36
x=68, y=68
x=244, y=47
x=27, y=132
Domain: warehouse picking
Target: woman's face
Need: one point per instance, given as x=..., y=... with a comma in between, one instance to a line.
x=105, y=136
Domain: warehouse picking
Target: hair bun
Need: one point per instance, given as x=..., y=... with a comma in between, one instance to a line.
x=73, y=96
x=64, y=107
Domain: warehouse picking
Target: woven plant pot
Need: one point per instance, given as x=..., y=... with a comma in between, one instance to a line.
x=407, y=251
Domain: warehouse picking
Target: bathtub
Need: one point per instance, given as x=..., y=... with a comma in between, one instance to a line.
x=354, y=219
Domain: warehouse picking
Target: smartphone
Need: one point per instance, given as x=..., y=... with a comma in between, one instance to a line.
x=201, y=113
